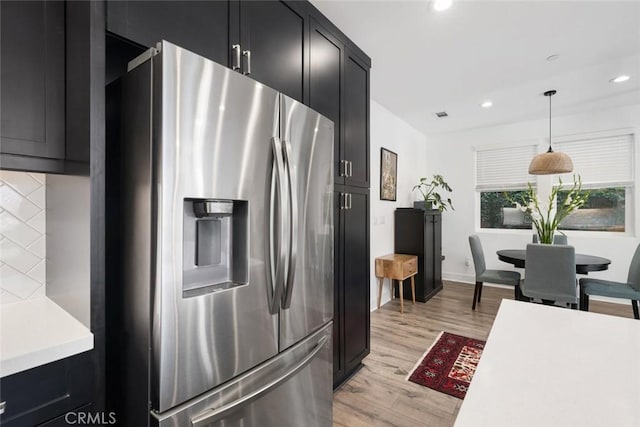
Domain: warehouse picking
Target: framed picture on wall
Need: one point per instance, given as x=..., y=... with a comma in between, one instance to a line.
x=388, y=174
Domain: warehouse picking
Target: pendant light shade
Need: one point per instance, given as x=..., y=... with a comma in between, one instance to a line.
x=550, y=162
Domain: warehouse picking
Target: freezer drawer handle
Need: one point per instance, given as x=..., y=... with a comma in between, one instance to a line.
x=293, y=235
x=213, y=415
x=3, y=406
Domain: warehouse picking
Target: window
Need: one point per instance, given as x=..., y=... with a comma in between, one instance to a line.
x=502, y=173
x=604, y=211
x=605, y=165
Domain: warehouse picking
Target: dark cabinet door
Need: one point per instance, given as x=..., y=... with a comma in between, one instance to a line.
x=356, y=278
x=338, y=290
x=199, y=26
x=325, y=64
x=273, y=33
x=433, y=251
x=32, y=78
x=45, y=392
x=356, y=121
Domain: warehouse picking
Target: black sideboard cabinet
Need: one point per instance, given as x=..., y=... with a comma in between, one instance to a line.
x=419, y=232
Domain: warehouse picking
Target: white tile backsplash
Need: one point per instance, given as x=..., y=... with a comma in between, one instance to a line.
x=17, y=257
x=22, y=236
x=17, y=204
x=38, y=272
x=38, y=222
x=22, y=182
x=38, y=197
x=18, y=231
x=39, y=247
x=17, y=283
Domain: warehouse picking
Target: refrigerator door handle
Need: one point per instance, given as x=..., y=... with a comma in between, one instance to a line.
x=277, y=265
x=212, y=415
x=293, y=224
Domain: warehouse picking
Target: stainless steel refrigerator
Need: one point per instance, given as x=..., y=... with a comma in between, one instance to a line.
x=225, y=241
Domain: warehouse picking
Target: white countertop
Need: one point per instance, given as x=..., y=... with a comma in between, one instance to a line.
x=38, y=331
x=548, y=366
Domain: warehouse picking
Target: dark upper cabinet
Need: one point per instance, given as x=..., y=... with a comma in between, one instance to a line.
x=419, y=232
x=199, y=26
x=325, y=94
x=271, y=40
x=32, y=78
x=351, y=289
x=355, y=146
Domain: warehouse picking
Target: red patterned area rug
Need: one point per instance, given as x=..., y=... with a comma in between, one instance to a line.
x=448, y=366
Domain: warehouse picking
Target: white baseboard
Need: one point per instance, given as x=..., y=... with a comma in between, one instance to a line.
x=471, y=280
x=460, y=278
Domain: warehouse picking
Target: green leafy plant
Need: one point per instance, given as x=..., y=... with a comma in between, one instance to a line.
x=429, y=191
x=547, y=218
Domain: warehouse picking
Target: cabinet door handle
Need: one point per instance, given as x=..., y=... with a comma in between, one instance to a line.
x=350, y=168
x=247, y=55
x=342, y=203
x=236, y=63
x=3, y=406
x=349, y=201
x=342, y=168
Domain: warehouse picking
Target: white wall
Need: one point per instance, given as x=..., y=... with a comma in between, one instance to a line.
x=390, y=132
x=454, y=156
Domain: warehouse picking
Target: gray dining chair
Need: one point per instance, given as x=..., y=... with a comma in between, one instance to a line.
x=606, y=288
x=550, y=274
x=558, y=239
x=502, y=277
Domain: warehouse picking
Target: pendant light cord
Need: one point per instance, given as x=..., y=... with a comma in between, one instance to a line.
x=549, y=150
x=550, y=93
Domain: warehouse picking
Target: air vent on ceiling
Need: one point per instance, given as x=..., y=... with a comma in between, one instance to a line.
x=442, y=114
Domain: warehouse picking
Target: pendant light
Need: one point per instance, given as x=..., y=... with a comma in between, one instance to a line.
x=550, y=162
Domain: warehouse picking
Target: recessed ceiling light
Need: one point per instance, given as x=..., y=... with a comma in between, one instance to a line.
x=552, y=57
x=619, y=79
x=441, y=5
x=486, y=104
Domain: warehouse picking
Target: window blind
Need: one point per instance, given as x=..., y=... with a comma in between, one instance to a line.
x=504, y=168
x=605, y=161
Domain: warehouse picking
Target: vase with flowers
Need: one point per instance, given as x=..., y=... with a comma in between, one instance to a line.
x=561, y=203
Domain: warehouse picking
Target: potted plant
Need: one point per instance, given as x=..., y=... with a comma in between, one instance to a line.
x=547, y=218
x=432, y=198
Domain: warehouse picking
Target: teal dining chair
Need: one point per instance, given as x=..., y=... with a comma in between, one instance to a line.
x=550, y=275
x=606, y=288
x=501, y=277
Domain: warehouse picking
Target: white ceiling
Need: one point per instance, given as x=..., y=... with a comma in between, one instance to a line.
x=425, y=61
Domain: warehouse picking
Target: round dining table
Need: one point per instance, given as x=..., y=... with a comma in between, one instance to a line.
x=584, y=263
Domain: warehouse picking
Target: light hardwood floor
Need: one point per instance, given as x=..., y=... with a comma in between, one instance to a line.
x=378, y=394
